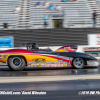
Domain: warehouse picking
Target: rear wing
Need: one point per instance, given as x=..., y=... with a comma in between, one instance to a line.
x=67, y=48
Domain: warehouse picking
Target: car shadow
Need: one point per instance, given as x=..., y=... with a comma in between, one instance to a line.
x=40, y=69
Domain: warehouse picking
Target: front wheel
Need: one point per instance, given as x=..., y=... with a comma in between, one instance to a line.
x=16, y=63
x=78, y=63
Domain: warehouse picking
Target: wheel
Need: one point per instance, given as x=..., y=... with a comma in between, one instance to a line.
x=78, y=63
x=16, y=63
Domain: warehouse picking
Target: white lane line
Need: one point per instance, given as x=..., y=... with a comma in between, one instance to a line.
x=47, y=78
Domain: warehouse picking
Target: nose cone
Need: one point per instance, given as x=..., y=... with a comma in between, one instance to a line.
x=92, y=58
x=89, y=57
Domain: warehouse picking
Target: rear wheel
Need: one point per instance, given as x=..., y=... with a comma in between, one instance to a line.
x=16, y=63
x=78, y=63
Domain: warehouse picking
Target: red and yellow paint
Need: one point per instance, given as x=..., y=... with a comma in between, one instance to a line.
x=37, y=59
x=32, y=57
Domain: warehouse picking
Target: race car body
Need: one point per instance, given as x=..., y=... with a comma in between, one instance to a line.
x=17, y=59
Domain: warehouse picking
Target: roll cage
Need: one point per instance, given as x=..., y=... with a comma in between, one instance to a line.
x=32, y=46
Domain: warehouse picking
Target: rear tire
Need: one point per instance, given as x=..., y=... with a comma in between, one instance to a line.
x=16, y=63
x=78, y=63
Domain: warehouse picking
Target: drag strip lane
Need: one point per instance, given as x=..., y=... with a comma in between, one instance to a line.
x=47, y=78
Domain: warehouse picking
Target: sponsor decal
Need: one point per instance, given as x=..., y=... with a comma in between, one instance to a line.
x=37, y=60
x=28, y=63
x=60, y=60
x=49, y=64
x=92, y=63
x=3, y=56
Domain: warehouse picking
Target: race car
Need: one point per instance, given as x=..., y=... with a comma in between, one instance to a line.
x=18, y=59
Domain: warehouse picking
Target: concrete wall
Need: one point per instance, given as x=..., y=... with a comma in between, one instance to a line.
x=51, y=37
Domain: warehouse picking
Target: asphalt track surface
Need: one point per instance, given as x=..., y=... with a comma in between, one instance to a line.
x=59, y=83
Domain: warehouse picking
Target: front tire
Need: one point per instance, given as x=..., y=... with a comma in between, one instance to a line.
x=16, y=63
x=78, y=63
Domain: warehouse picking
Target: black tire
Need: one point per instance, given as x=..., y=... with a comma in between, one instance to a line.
x=16, y=63
x=78, y=63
